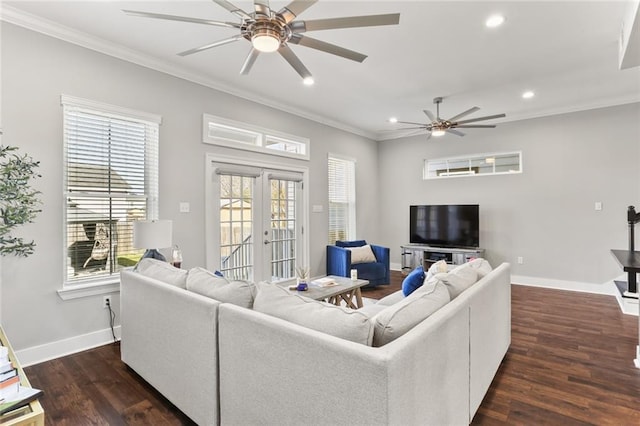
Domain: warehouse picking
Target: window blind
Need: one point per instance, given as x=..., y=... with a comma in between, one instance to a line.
x=341, y=174
x=111, y=180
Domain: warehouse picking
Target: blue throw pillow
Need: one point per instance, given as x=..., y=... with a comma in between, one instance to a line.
x=413, y=281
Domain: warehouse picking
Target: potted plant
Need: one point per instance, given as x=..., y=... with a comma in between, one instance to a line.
x=18, y=200
x=303, y=276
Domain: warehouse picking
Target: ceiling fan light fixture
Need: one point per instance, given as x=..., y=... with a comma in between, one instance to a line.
x=437, y=132
x=265, y=42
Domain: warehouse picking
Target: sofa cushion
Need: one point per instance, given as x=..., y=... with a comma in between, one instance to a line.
x=437, y=268
x=481, y=266
x=458, y=279
x=391, y=299
x=397, y=319
x=206, y=283
x=162, y=271
x=335, y=320
x=362, y=254
x=414, y=280
x=355, y=243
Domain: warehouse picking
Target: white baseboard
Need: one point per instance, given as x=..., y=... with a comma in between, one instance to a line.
x=607, y=288
x=48, y=351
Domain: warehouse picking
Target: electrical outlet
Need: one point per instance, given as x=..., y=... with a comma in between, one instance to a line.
x=520, y=260
x=106, y=302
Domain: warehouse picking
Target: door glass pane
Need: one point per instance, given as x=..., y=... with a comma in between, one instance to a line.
x=283, y=229
x=236, y=227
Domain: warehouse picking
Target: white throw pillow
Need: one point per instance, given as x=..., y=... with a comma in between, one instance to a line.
x=481, y=266
x=206, y=283
x=396, y=320
x=338, y=321
x=162, y=271
x=437, y=268
x=362, y=254
x=458, y=279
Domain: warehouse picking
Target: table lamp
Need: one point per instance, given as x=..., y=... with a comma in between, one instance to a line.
x=152, y=235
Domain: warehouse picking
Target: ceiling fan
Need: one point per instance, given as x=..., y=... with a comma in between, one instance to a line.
x=270, y=31
x=438, y=126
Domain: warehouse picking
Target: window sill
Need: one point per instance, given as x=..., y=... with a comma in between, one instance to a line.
x=71, y=292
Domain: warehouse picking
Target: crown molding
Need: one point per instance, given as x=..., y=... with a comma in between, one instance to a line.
x=52, y=29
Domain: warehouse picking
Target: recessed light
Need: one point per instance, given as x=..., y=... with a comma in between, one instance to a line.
x=393, y=120
x=528, y=94
x=308, y=81
x=494, y=21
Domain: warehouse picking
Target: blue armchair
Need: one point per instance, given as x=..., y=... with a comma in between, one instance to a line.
x=339, y=262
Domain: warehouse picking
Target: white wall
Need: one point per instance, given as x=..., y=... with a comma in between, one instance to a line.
x=546, y=215
x=36, y=70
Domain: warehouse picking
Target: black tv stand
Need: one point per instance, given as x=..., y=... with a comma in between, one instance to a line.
x=414, y=255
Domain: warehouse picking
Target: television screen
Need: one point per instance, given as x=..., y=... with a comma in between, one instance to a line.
x=445, y=226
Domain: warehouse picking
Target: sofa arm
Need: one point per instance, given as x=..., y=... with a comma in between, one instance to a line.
x=338, y=261
x=170, y=338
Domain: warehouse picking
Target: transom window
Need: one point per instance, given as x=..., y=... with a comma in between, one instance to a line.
x=235, y=134
x=473, y=165
x=110, y=180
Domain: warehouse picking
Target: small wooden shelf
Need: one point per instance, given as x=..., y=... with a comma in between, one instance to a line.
x=30, y=415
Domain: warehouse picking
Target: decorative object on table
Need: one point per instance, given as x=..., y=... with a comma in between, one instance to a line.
x=371, y=261
x=302, y=278
x=152, y=235
x=18, y=200
x=354, y=274
x=176, y=256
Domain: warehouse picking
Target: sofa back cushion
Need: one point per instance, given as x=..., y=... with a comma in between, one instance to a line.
x=397, y=319
x=481, y=266
x=458, y=279
x=209, y=284
x=337, y=321
x=162, y=271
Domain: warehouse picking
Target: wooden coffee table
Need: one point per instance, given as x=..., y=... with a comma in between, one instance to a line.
x=346, y=290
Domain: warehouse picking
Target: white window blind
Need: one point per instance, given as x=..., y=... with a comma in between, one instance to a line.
x=342, y=199
x=111, y=180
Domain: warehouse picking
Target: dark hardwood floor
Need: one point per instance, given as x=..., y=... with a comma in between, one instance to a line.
x=570, y=363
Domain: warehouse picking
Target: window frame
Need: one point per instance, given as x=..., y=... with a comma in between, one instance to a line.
x=351, y=225
x=106, y=284
x=261, y=137
x=457, y=172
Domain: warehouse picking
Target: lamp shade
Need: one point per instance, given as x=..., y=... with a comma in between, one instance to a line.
x=152, y=234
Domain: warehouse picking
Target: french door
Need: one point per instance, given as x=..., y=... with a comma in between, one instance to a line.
x=257, y=226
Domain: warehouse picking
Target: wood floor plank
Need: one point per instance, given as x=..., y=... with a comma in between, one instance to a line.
x=569, y=363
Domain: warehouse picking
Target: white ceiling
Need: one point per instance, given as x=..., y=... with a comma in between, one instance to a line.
x=565, y=51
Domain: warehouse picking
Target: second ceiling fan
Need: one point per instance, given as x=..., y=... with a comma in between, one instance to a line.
x=270, y=31
x=439, y=126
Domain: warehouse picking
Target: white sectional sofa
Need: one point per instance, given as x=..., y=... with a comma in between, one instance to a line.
x=232, y=365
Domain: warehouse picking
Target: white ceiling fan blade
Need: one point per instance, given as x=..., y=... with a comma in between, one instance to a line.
x=209, y=46
x=327, y=47
x=262, y=8
x=180, y=18
x=233, y=9
x=346, y=22
x=294, y=61
x=476, y=126
x=248, y=63
x=429, y=114
x=294, y=9
x=488, y=117
x=462, y=114
x=413, y=123
x=455, y=132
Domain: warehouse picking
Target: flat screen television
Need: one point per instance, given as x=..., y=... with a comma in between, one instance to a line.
x=445, y=226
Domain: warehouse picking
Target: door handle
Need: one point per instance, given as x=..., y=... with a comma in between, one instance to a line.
x=266, y=242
